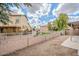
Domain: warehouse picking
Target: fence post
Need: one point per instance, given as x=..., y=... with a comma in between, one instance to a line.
x=45, y=38
x=4, y=35
x=20, y=35
x=28, y=41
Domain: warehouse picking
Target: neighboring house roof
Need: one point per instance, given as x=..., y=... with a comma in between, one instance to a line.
x=44, y=26
x=15, y=13
x=75, y=23
x=9, y=26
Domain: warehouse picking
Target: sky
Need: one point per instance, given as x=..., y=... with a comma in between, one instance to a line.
x=42, y=13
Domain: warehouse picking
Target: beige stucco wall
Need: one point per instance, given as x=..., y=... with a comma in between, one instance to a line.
x=72, y=32
x=43, y=28
x=23, y=23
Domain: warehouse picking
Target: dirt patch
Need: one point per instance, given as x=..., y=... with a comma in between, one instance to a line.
x=49, y=48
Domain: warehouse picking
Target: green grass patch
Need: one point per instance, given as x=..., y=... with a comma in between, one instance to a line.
x=44, y=33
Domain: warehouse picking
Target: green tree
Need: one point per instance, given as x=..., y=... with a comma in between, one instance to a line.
x=3, y=13
x=56, y=25
x=61, y=22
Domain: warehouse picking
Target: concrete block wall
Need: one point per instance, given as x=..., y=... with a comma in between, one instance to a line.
x=9, y=44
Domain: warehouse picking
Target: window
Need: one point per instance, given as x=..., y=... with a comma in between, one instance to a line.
x=17, y=20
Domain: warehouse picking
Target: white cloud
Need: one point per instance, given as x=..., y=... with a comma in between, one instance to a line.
x=35, y=7
x=73, y=18
x=52, y=19
x=68, y=8
x=77, y=12
x=45, y=9
x=32, y=15
x=54, y=11
x=43, y=23
x=37, y=10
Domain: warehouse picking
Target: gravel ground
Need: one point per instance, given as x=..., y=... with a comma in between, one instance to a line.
x=48, y=48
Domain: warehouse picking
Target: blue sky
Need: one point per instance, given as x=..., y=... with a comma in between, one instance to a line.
x=41, y=14
x=43, y=19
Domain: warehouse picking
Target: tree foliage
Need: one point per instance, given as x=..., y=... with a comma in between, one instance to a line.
x=61, y=22
x=3, y=13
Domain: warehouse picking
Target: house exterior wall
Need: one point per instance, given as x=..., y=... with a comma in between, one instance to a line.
x=43, y=28
x=16, y=21
x=72, y=32
x=20, y=20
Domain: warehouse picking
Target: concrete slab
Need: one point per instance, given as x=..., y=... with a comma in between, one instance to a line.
x=75, y=39
x=74, y=44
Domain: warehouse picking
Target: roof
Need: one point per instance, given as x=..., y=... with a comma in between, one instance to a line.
x=75, y=23
x=9, y=26
x=43, y=26
x=15, y=13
